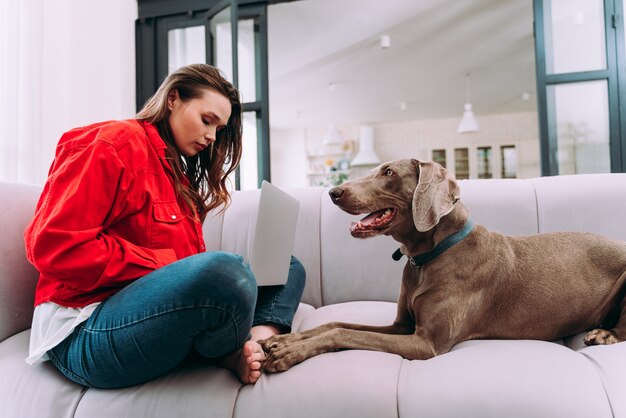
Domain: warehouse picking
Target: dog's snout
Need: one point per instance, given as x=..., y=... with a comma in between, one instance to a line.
x=335, y=193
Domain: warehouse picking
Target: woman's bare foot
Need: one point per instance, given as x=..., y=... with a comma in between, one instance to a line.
x=245, y=362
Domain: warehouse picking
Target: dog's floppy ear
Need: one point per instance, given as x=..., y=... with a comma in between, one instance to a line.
x=434, y=195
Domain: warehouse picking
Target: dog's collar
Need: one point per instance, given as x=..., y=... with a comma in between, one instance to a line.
x=421, y=259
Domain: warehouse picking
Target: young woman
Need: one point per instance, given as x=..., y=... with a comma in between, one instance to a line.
x=126, y=289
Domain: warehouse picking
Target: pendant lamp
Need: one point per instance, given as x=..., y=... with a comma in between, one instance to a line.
x=367, y=155
x=468, y=121
x=332, y=137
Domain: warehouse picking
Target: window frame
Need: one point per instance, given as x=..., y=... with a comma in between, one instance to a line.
x=156, y=18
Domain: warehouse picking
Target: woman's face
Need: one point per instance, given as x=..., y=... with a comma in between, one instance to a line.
x=195, y=123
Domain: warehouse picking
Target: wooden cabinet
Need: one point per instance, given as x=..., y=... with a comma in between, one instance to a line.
x=483, y=161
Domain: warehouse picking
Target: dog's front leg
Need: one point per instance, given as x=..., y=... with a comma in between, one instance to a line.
x=285, y=354
x=395, y=328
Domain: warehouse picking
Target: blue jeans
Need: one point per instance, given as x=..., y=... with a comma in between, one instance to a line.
x=205, y=303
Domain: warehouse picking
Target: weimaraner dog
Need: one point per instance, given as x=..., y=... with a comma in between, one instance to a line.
x=464, y=282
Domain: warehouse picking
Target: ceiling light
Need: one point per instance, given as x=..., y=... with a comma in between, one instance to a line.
x=385, y=41
x=403, y=106
x=366, y=155
x=468, y=121
x=332, y=137
x=526, y=96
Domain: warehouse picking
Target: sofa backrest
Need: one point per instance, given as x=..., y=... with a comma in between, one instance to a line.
x=233, y=230
x=356, y=269
x=587, y=203
x=340, y=268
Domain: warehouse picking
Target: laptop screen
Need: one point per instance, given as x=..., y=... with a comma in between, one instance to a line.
x=274, y=235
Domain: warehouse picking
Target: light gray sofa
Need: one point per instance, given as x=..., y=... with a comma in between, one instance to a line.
x=347, y=280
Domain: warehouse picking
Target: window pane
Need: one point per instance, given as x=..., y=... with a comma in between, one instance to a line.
x=461, y=163
x=222, y=43
x=574, y=36
x=508, y=156
x=484, y=162
x=249, y=173
x=582, y=121
x=247, y=60
x=439, y=156
x=185, y=46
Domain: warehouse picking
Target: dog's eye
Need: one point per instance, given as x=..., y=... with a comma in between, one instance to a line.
x=388, y=172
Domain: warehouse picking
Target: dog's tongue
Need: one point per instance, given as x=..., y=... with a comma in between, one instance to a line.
x=372, y=217
x=368, y=220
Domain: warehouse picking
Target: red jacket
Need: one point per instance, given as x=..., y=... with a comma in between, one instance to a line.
x=108, y=214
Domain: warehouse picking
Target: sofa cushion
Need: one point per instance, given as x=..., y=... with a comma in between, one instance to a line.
x=609, y=363
x=342, y=384
x=206, y=390
x=33, y=391
x=194, y=389
x=503, y=379
x=43, y=391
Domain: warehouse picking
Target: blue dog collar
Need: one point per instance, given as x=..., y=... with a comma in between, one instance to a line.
x=421, y=259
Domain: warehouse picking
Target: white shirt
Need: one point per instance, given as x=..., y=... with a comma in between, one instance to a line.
x=52, y=324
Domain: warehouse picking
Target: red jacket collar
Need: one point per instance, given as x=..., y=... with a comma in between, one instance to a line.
x=155, y=138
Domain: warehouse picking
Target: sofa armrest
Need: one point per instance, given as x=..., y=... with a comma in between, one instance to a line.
x=18, y=277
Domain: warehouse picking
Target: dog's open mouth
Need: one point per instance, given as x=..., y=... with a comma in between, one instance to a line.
x=373, y=223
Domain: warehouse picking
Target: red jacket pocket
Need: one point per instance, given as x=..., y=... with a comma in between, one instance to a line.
x=166, y=225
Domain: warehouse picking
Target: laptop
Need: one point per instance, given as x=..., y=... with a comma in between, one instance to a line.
x=274, y=235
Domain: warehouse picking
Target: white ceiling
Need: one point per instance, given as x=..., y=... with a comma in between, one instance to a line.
x=315, y=43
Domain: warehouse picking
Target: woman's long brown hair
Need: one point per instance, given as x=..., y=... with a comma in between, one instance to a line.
x=200, y=180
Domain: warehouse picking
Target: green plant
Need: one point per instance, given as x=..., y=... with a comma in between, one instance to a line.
x=338, y=179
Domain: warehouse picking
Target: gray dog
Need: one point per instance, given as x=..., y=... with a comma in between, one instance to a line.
x=464, y=282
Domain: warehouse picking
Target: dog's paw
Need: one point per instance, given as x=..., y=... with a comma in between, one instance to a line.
x=274, y=341
x=268, y=343
x=283, y=356
x=600, y=337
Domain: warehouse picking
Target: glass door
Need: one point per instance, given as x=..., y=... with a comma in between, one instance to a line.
x=577, y=77
x=240, y=50
x=223, y=33
x=253, y=85
x=181, y=40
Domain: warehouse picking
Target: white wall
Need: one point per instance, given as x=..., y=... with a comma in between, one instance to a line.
x=88, y=67
x=413, y=139
x=288, y=162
